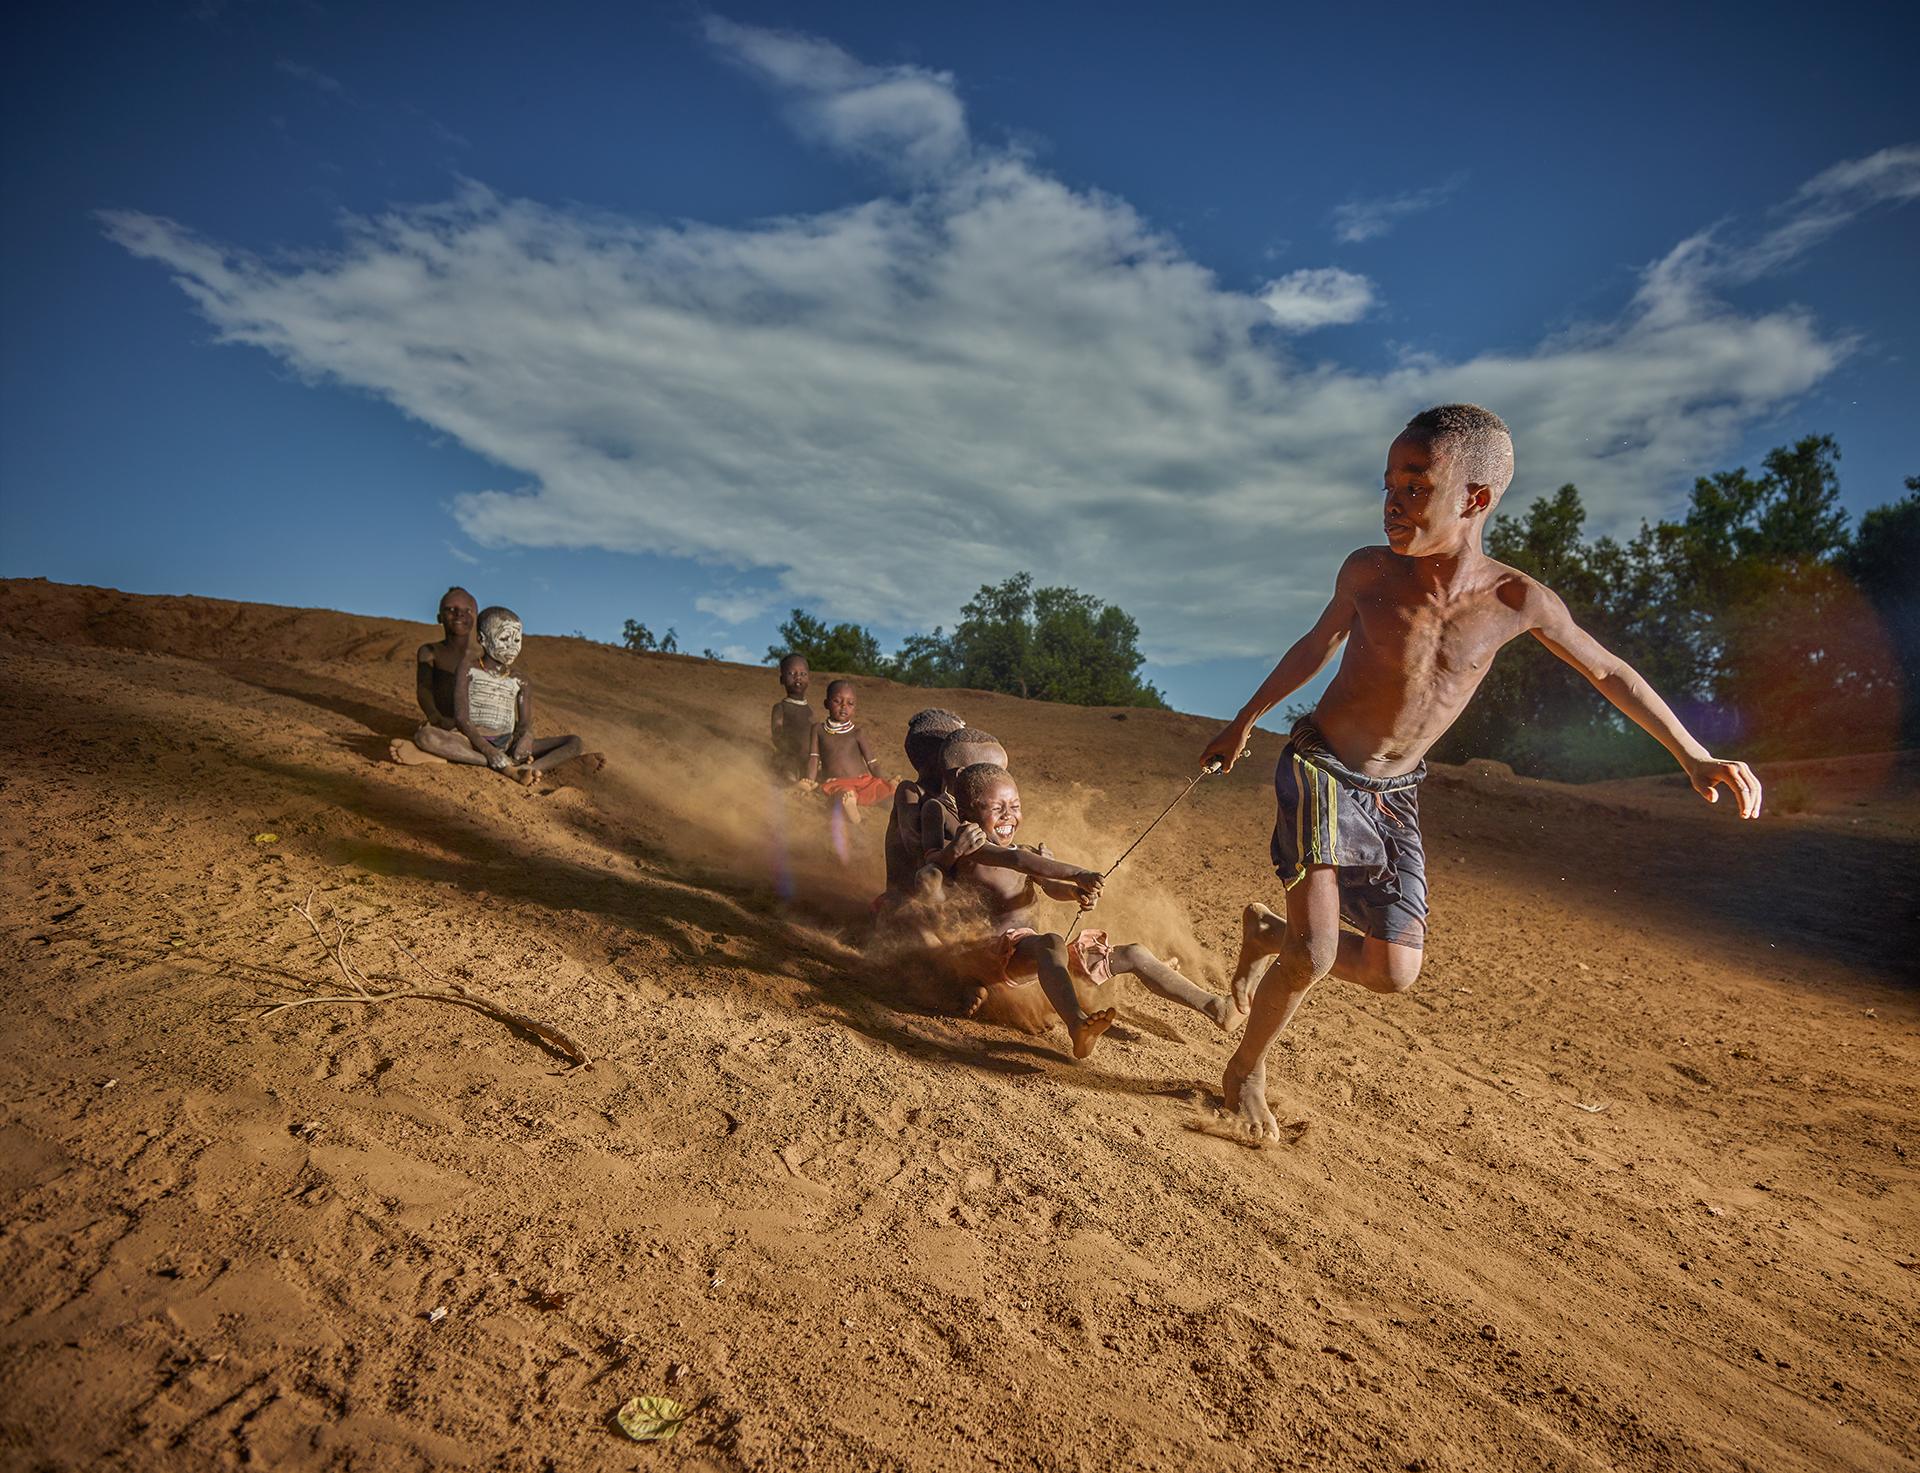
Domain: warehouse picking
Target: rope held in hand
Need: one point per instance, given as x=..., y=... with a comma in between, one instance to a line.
x=1215, y=766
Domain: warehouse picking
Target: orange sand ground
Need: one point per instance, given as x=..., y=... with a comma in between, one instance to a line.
x=849, y=1231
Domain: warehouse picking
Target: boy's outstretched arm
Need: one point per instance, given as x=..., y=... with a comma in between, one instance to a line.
x=1621, y=684
x=1297, y=666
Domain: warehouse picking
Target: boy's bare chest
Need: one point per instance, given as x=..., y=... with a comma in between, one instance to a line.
x=1428, y=639
x=1004, y=888
x=840, y=748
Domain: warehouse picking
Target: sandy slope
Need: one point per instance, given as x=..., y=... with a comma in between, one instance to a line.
x=854, y=1233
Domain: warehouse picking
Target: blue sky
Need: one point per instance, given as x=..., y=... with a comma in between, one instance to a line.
x=693, y=315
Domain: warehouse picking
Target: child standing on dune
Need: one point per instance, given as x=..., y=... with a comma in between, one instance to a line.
x=792, y=725
x=1420, y=620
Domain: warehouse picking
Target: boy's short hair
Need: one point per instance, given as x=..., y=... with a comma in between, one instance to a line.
x=786, y=660
x=968, y=736
x=925, y=732
x=1479, y=437
x=970, y=784
x=494, y=614
x=834, y=685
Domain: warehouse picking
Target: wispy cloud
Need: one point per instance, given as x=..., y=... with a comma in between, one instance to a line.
x=315, y=78
x=735, y=606
x=904, y=117
x=1320, y=297
x=990, y=368
x=1368, y=219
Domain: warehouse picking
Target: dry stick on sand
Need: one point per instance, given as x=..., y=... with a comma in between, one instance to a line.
x=452, y=992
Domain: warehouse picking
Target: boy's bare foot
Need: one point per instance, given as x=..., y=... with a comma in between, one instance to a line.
x=527, y=776
x=1088, y=1033
x=1246, y=1096
x=403, y=751
x=850, y=806
x=1261, y=931
x=1222, y=1010
x=591, y=762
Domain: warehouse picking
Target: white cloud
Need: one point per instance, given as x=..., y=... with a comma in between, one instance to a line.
x=1368, y=219
x=881, y=407
x=734, y=605
x=1826, y=203
x=1321, y=297
x=904, y=117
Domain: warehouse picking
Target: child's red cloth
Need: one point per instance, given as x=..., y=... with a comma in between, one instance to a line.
x=867, y=790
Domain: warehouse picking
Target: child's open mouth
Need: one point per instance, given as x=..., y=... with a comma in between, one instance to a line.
x=1003, y=832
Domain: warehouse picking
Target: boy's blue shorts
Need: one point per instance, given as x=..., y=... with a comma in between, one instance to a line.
x=1368, y=828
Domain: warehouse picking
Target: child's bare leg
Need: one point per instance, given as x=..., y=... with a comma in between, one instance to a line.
x=1306, y=955
x=1261, y=934
x=1046, y=957
x=550, y=752
x=448, y=744
x=1378, y=966
x=1163, y=981
x=408, y=752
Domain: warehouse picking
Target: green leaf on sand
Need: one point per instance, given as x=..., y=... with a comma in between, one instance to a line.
x=266, y=838
x=651, y=1418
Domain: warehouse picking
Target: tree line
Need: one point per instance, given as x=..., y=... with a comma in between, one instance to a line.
x=1047, y=644
x=1771, y=626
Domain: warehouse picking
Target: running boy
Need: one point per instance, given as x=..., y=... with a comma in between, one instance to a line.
x=1009, y=879
x=1421, y=620
x=838, y=758
x=792, y=720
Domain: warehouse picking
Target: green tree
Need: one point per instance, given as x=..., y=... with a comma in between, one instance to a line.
x=636, y=636
x=1049, y=644
x=847, y=648
x=1884, y=563
x=1762, y=622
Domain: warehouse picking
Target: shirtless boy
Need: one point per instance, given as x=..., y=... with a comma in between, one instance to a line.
x=838, y=759
x=1009, y=878
x=927, y=732
x=493, y=710
x=1421, y=620
x=792, y=720
x=435, y=667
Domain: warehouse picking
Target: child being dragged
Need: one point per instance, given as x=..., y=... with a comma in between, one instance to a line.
x=838, y=759
x=1009, y=880
x=927, y=733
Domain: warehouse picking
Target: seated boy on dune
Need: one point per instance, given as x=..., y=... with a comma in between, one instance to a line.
x=1009, y=881
x=493, y=711
x=1420, y=620
x=838, y=760
x=435, y=671
x=926, y=733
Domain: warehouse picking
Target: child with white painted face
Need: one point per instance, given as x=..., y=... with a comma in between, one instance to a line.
x=1010, y=879
x=493, y=709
